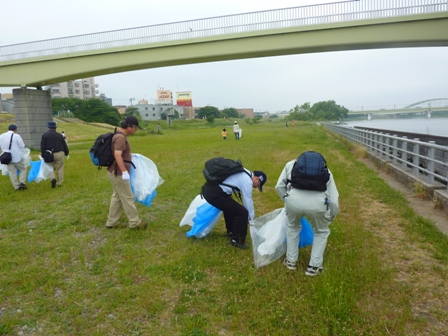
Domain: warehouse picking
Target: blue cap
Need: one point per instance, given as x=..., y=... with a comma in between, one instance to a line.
x=12, y=127
x=263, y=178
x=51, y=124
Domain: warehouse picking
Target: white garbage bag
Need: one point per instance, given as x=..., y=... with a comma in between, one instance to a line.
x=145, y=179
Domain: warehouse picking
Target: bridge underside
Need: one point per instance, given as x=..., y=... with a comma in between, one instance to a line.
x=424, y=30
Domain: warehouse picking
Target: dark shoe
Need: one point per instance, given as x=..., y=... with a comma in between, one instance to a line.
x=314, y=271
x=22, y=186
x=229, y=234
x=242, y=246
x=53, y=183
x=289, y=265
x=140, y=226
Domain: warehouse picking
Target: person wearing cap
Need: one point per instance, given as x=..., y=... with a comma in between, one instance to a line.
x=236, y=216
x=236, y=130
x=18, y=160
x=54, y=142
x=319, y=207
x=118, y=175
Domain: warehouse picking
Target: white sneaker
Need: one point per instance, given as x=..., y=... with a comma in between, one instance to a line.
x=289, y=265
x=313, y=271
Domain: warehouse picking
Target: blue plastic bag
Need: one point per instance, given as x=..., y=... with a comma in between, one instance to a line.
x=306, y=234
x=34, y=170
x=206, y=218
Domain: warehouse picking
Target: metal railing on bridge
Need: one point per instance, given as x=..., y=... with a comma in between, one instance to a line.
x=342, y=11
x=424, y=159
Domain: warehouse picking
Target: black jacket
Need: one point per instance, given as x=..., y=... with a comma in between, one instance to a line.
x=54, y=141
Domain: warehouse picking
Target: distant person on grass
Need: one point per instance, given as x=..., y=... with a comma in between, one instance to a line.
x=224, y=134
x=54, y=142
x=18, y=160
x=118, y=174
x=64, y=136
x=236, y=130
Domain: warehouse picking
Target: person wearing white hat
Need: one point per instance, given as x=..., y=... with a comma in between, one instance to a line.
x=236, y=130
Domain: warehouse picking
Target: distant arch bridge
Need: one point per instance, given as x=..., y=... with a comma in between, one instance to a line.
x=424, y=106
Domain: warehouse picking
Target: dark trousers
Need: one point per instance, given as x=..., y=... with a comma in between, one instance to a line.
x=235, y=215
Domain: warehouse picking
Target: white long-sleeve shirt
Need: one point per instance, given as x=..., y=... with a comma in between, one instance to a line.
x=244, y=183
x=16, y=146
x=331, y=193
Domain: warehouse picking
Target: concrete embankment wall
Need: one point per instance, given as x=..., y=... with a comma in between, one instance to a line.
x=437, y=191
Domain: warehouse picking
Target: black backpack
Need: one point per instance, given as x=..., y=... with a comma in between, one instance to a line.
x=310, y=172
x=218, y=169
x=101, y=151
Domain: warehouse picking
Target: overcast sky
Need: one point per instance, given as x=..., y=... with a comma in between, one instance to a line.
x=370, y=79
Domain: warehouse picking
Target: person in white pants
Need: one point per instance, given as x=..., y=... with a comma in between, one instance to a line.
x=319, y=207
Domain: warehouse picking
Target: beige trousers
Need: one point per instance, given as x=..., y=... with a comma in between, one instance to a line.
x=12, y=170
x=122, y=198
x=58, y=166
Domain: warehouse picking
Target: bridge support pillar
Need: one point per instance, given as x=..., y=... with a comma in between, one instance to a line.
x=32, y=109
x=369, y=116
x=428, y=114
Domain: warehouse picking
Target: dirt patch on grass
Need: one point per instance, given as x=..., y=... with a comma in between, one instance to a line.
x=416, y=267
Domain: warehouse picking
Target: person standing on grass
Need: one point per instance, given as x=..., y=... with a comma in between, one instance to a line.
x=236, y=130
x=236, y=216
x=118, y=174
x=18, y=160
x=224, y=134
x=64, y=136
x=54, y=142
x=319, y=207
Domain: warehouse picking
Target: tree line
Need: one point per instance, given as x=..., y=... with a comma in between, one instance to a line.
x=96, y=110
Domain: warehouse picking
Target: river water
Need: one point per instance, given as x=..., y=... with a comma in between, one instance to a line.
x=433, y=126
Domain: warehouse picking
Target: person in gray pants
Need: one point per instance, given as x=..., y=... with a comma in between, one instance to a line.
x=319, y=207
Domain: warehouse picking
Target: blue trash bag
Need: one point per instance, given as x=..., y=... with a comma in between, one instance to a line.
x=206, y=218
x=306, y=234
x=34, y=170
x=148, y=200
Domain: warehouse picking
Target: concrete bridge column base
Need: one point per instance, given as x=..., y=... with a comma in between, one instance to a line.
x=32, y=109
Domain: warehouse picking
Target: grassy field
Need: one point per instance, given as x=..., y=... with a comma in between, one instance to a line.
x=63, y=273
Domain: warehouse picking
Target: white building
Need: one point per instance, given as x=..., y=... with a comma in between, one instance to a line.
x=82, y=89
x=155, y=111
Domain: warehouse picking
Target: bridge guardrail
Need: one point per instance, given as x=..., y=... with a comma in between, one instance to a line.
x=421, y=159
x=342, y=11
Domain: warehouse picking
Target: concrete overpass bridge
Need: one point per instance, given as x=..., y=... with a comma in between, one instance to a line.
x=424, y=107
x=337, y=26
x=345, y=25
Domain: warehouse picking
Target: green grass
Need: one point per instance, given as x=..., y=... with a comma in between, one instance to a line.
x=63, y=273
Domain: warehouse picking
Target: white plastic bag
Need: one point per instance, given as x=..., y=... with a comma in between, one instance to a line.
x=45, y=171
x=191, y=211
x=26, y=156
x=269, y=236
x=145, y=179
x=269, y=242
x=4, y=169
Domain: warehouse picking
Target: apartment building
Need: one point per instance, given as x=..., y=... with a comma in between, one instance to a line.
x=82, y=89
x=155, y=111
